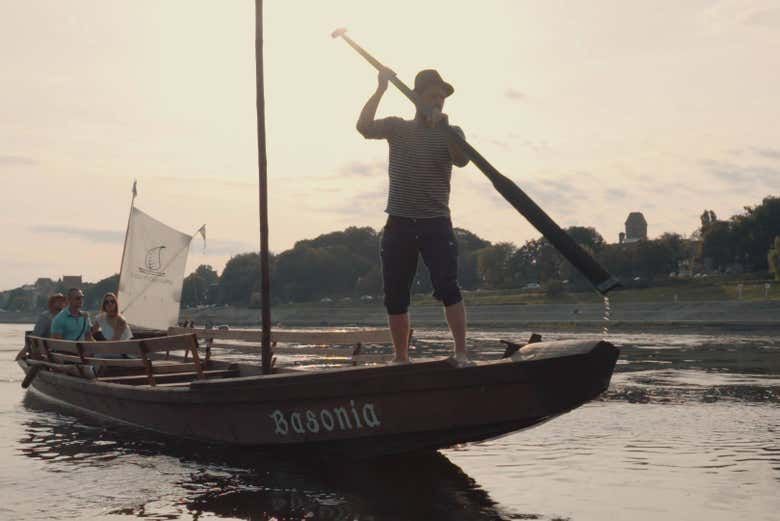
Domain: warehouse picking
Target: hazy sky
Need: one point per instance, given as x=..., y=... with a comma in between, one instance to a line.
x=595, y=108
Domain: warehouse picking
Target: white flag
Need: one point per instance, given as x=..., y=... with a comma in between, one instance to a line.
x=152, y=272
x=202, y=232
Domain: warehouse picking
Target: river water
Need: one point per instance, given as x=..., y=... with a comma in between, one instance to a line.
x=689, y=430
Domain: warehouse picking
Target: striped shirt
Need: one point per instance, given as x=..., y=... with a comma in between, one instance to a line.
x=419, y=169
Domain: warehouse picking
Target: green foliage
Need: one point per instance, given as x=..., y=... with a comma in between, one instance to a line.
x=554, y=288
x=587, y=237
x=336, y=264
x=468, y=241
x=719, y=243
x=200, y=286
x=308, y=273
x=756, y=229
x=493, y=264
x=645, y=260
x=19, y=300
x=370, y=283
x=346, y=263
x=743, y=239
x=469, y=245
x=537, y=261
x=362, y=242
x=652, y=259
x=240, y=278
x=93, y=293
x=773, y=259
x=708, y=218
x=207, y=273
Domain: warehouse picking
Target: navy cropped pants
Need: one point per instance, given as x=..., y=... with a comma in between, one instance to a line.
x=402, y=240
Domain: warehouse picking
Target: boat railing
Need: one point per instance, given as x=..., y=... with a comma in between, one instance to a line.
x=86, y=358
x=344, y=344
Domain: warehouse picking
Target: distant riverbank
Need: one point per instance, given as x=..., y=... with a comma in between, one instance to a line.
x=693, y=316
x=590, y=316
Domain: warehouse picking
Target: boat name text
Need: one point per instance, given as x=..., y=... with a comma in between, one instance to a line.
x=345, y=418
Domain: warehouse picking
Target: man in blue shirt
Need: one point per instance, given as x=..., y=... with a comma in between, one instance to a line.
x=72, y=323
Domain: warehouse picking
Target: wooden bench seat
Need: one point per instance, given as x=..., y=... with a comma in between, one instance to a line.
x=64, y=355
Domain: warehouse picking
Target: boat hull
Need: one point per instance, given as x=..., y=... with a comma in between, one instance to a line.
x=360, y=411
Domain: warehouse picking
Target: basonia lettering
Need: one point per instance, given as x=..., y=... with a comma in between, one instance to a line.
x=344, y=418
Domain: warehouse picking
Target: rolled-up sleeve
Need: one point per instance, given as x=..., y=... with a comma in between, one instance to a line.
x=384, y=128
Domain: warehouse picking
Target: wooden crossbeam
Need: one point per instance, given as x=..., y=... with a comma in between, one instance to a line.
x=296, y=336
x=71, y=369
x=116, y=347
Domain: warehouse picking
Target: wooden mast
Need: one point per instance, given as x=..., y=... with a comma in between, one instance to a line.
x=263, y=191
x=127, y=230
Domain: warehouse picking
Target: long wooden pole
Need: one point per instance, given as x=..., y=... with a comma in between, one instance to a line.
x=263, y=191
x=563, y=242
x=127, y=230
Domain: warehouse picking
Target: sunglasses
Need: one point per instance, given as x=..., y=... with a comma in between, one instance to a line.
x=109, y=302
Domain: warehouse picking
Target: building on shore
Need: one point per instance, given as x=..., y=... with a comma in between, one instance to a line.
x=636, y=229
x=45, y=284
x=72, y=281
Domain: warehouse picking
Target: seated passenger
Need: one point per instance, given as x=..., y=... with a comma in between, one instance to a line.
x=110, y=322
x=43, y=325
x=72, y=323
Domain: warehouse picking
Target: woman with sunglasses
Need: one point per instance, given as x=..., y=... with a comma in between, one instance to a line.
x=110, y=322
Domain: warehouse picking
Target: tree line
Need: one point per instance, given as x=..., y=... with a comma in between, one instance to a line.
x=746, y=239
x=346, y=263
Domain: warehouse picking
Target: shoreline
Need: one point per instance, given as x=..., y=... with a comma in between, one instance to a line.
x=752, y=316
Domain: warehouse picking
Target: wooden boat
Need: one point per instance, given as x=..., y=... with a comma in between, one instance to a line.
x=169, y=385
x=163, y=383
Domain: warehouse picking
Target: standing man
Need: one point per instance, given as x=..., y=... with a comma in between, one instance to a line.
x=43, y=325
x=418, y=222
x=72, y=323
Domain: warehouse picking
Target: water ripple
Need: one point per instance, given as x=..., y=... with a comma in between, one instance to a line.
x=689, y=429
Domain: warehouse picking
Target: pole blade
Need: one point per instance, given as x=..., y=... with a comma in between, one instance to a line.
x=562, y=241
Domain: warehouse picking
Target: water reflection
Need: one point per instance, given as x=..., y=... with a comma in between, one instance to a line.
x=245, y=484
x=688, y=430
